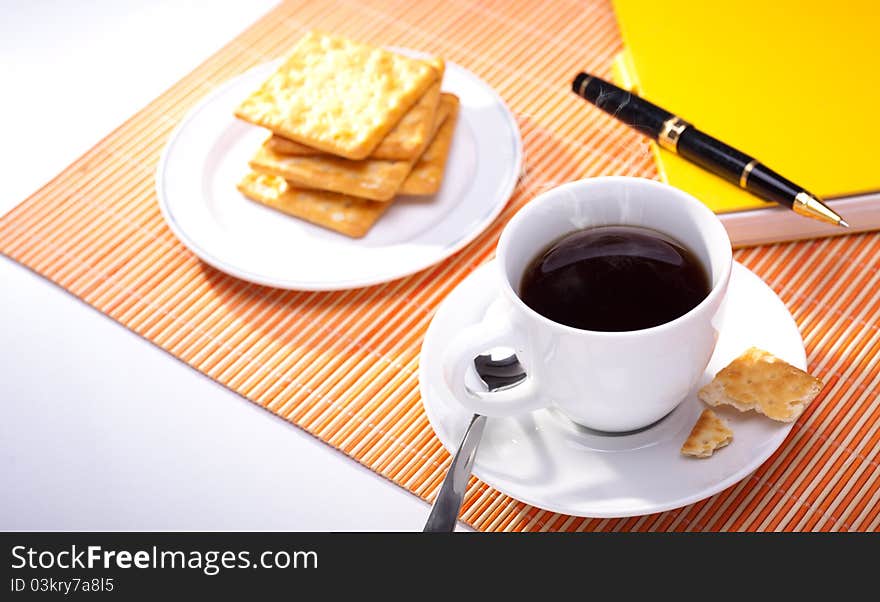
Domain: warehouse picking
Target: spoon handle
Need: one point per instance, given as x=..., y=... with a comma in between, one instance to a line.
x=447, y=504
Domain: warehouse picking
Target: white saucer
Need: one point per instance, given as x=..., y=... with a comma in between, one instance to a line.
x=209, y=152
x=547, y=461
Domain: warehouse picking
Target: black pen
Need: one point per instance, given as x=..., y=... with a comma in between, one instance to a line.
x=677, y=135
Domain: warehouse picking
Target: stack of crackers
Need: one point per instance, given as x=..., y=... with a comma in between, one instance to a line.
x=352, y=127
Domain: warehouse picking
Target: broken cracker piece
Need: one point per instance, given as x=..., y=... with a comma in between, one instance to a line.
x=709, y=433
x=760, y=381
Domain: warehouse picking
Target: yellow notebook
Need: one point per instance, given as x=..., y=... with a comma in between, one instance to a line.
x=793, y=83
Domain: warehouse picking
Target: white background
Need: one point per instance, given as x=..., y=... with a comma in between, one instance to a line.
x=99, y=429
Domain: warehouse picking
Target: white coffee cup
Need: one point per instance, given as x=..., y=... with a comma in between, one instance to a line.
x=609, y=381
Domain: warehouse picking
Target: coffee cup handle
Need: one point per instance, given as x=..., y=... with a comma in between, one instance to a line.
x=459, y=360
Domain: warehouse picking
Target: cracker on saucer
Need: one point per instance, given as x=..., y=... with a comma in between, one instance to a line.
x=709, y=433
x=760, y=381
x=337, y=95
x=338, y=212
x=405, y=141
x=427, y=174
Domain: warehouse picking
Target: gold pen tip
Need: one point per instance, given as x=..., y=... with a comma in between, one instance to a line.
x=807, y=205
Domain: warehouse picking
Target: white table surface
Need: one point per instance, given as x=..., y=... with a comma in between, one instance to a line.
x=99, y=429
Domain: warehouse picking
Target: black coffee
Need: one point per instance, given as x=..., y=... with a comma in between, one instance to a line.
x=614, y=278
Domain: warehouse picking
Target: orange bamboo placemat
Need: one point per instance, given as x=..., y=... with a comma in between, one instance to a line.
x=343, y=365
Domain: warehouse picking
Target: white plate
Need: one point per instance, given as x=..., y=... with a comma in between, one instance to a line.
x=209, y=153
x=546, y=460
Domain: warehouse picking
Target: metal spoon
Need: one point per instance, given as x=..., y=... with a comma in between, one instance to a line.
x=497, y=374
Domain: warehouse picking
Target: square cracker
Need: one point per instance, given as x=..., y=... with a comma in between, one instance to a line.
x=341, y=213
x=709, y=433
x=374, y=179
x=404, y=141
x=760, y=381
x=337, y=95
x=426, y=175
